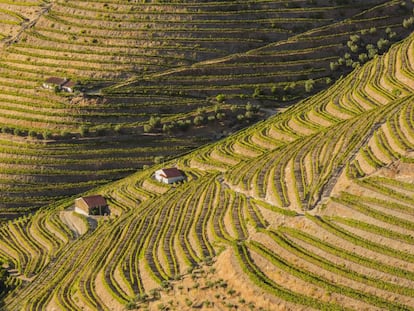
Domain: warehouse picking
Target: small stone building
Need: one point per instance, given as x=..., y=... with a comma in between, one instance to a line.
x=63, y=84
x=169, y=175
x=91, y=205
x=54, y=82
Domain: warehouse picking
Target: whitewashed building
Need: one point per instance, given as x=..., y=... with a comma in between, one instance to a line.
x=169, y=175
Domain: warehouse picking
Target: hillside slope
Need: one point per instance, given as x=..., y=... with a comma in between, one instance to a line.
x=167, y=60
x=311, y=209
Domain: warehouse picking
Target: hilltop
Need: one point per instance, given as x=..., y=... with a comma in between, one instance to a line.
x=157, y=80
x=310, y=209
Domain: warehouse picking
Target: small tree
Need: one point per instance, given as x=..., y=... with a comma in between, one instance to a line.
x=408, y=22
x=382, y=44
x=363, y=57
x=118, y=128
x=372, y=51
x=220, y=116
x=220, y=98
x=155, y=293
x=47, y=134
x=198, y=120
x=354, y=38
x=333, y=66
x=32, y=133
x=17, y=132
x=309, y=85
x=155, y=121
x=148, y=128
x=249, y=115
x=257, y=92
x=289, y=88
x=65, y=134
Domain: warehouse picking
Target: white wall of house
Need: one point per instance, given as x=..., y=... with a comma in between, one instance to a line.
x=48, y=86
x=67, y=89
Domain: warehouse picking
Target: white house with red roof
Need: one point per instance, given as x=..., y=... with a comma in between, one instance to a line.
x=91, y=205
x=169, y=175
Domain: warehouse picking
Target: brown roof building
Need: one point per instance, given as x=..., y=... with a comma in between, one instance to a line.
x=92, y=205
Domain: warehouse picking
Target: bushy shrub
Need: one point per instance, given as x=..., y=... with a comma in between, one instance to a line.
x=220, y=98
x=198, y=120
x=47, y=134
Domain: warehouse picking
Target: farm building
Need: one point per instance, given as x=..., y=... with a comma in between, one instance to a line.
x=59, y=83
x=169, y=175
x=91, y=205
x=52, y=82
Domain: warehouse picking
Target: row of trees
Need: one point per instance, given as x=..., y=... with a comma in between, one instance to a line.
x=248, y=112
x=366, y=45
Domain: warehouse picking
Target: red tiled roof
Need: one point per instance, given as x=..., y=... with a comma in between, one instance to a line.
x=95, y=201
x=55, y=80
x=172, y=172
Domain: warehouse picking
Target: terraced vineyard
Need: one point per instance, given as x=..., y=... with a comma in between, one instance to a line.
x=310, y=209
x=135, y=60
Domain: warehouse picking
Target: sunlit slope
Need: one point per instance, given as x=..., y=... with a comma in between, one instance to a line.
x=312, y=207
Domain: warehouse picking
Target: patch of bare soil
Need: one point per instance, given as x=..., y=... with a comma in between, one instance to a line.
x=334, y=111
x=299, y=128
x=263, y=143
x=74, y=222
x=244, y=151
x=279, y=135
x=313, y=117
x=216, y=155
x=383, y=157
x=366, y=167
x=204, y=166
x=222, y=286
x=105, y=296
x=272, y=196
x=53, y=305
x=291, y=189
x=147, y=281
